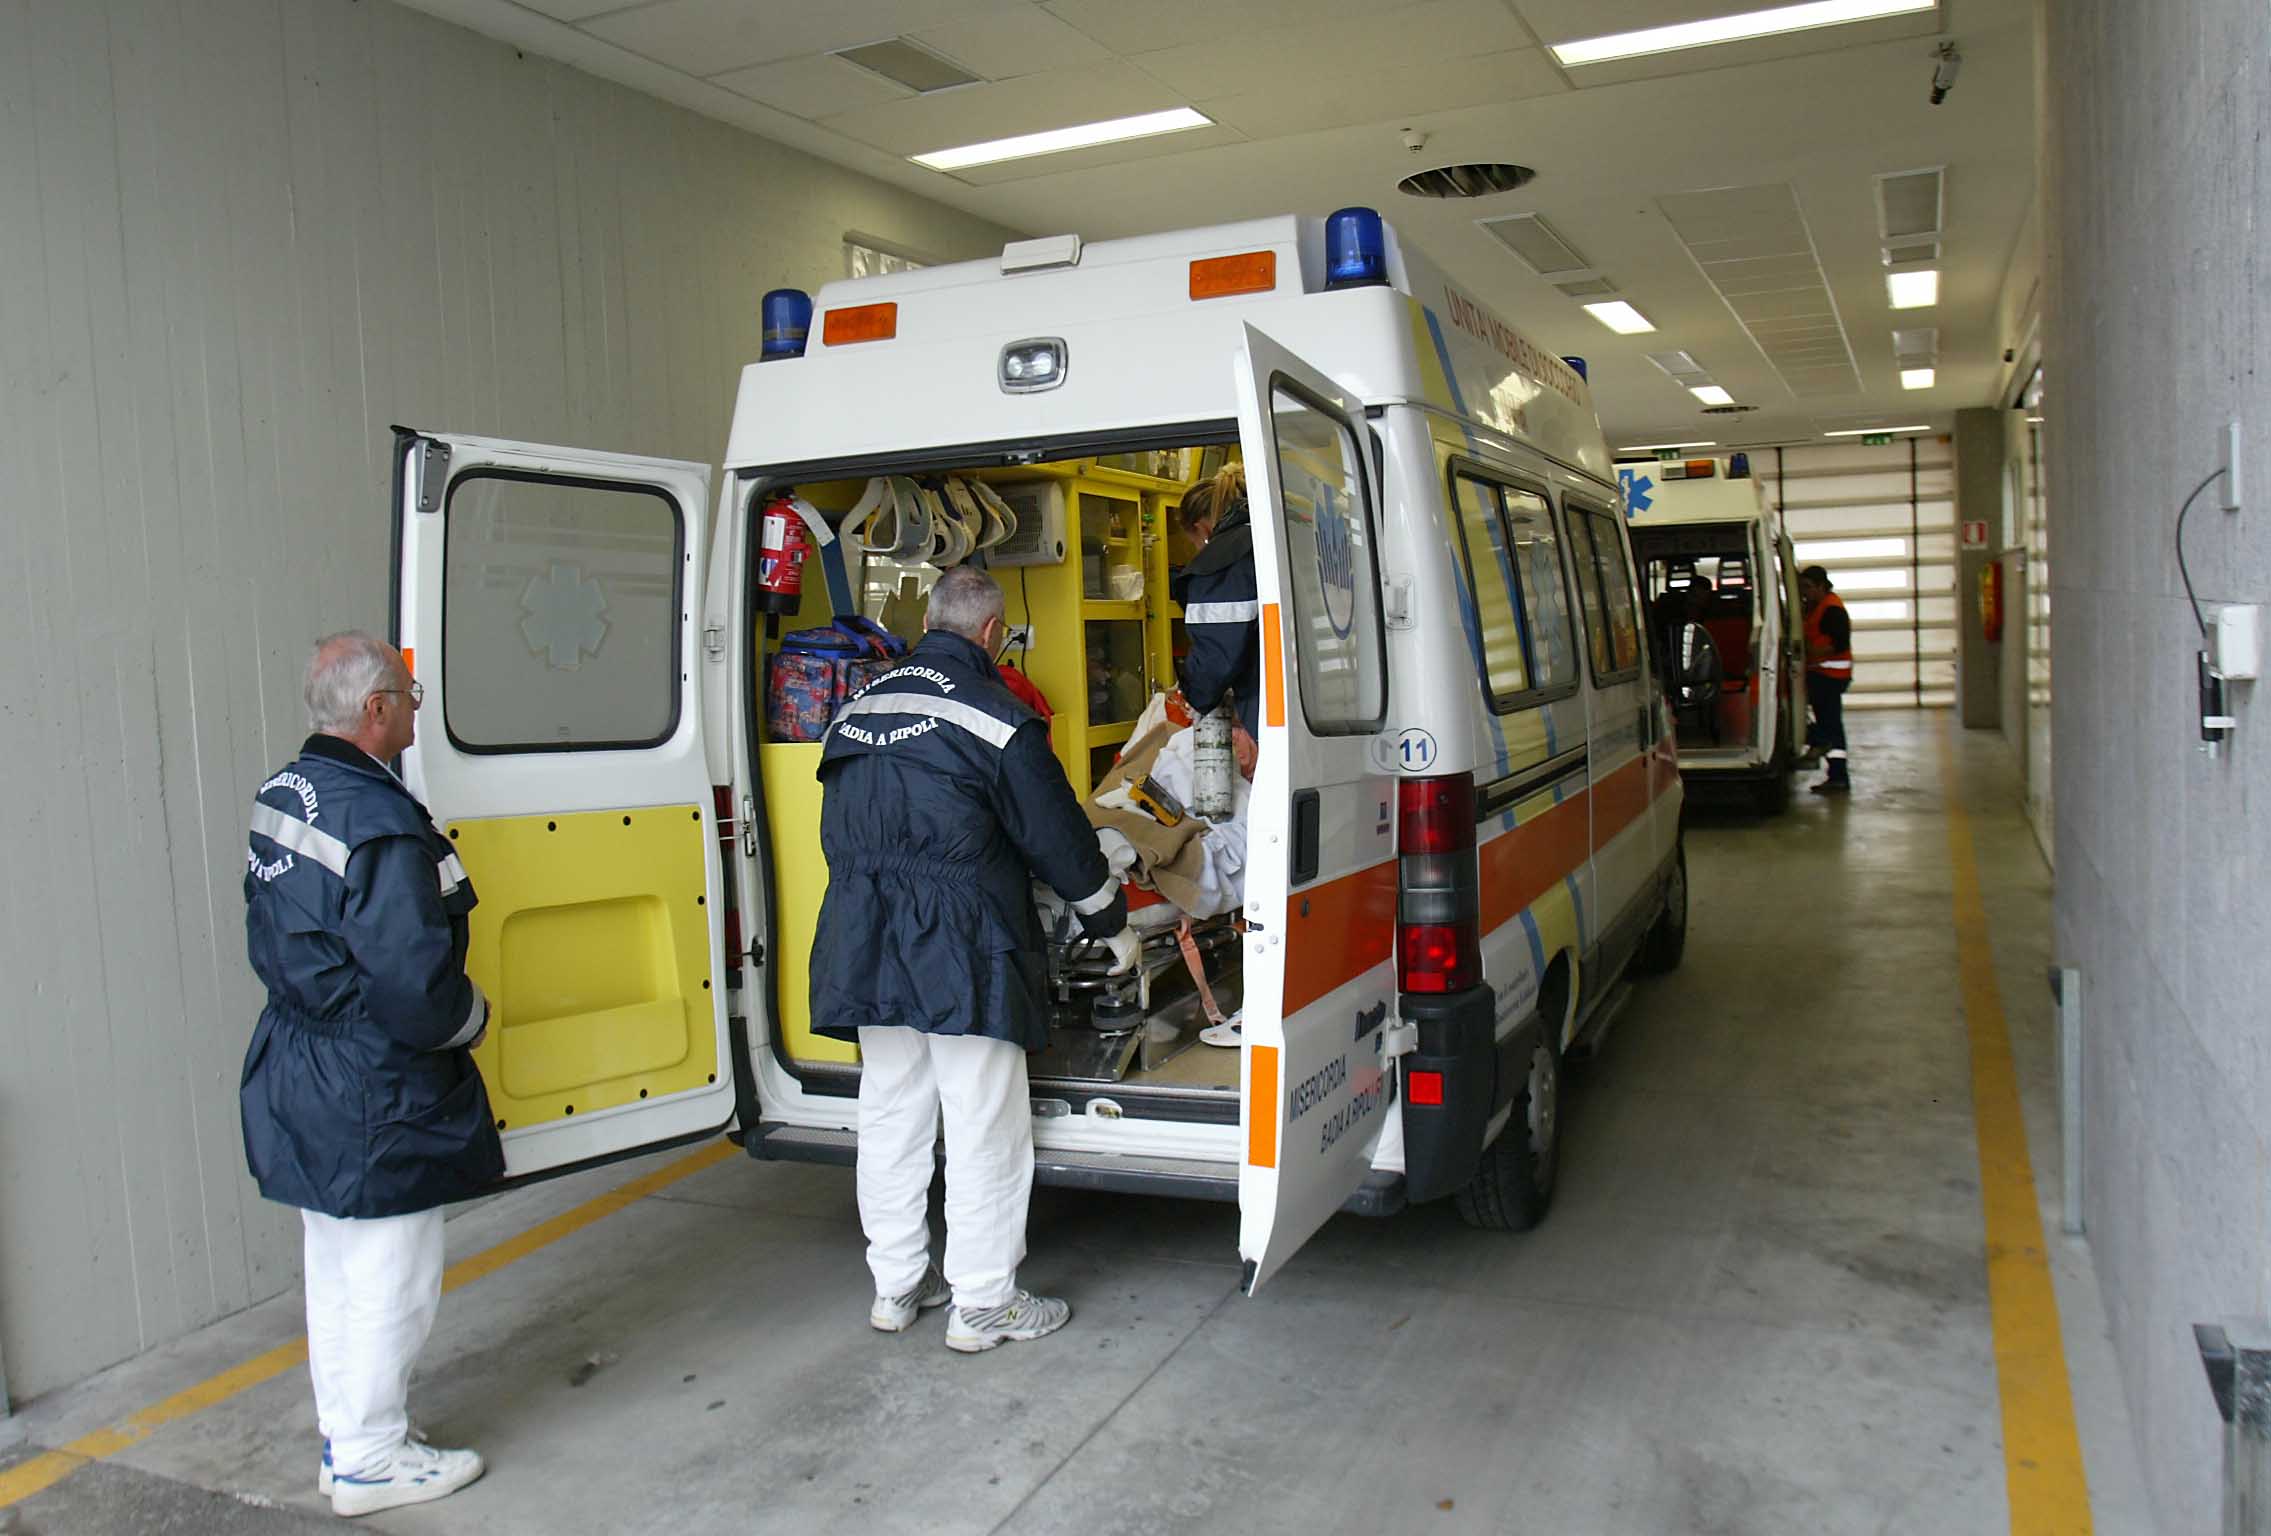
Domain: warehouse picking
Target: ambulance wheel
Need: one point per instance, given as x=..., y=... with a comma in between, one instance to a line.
x=1513, y=1184
x=1667, y=941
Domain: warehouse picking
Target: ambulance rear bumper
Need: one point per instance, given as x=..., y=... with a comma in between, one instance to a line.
x=1381, y=1194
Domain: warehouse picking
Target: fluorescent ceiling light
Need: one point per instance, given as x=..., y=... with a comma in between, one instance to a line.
x=1732, y=29
x=1853, y=549
x=1057, y=140
x=1620, y=317
x=1913, y=290
x=1711, y=394
x=1874, y=431
x=1916, y=378
x=1655, y=447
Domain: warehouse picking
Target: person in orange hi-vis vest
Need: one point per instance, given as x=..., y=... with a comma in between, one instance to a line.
x=1829, y=672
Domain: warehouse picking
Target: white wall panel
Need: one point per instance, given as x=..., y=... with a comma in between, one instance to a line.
x=237, y=240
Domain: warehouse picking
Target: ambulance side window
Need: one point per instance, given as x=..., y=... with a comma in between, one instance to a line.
x=1521, y=620
x=1336, y=636
x=1612, y=626
x=560, y=613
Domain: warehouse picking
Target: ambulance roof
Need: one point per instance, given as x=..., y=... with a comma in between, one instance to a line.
x=1141, y=352
x=1712, y=499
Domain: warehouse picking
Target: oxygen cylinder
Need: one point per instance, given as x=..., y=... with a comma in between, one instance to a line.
x=1214, y=766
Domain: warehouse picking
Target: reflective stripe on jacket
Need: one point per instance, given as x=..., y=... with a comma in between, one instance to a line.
x=940, y=803
x=359, y=1095
x=1823, y=655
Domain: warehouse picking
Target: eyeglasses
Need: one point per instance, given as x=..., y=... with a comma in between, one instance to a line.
x=416, y=692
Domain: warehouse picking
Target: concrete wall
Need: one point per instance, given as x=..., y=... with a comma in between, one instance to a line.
x=2159, y=316
x=1978, y=452
x=237, y=239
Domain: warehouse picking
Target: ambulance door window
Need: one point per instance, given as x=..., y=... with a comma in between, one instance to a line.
x=1545, y=592
x=561, y=611
x=1490, y=576
x=1331, y=561
x=1611, y=624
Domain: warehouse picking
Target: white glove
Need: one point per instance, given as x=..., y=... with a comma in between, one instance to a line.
x=1126, y=950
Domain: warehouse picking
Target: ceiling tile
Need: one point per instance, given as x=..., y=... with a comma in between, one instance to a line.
x=1348, y=49
x=815, y=86
x=1007, y=44
x=999, y=110
x=1129, y=29
x=711, y=37
x=1276, y=106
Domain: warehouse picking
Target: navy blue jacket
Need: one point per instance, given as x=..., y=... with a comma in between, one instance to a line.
x=940, y=802
x=1222, y=615
x=359, y=1096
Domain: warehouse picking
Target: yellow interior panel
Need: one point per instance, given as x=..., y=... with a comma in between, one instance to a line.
x=800, y=880
x=592, y=940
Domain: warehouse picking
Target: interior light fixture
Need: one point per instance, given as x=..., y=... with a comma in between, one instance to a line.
x=1732, y=29
x=1657, y=447
x=1057, y=140
x=1916, y=378
x=1711, y=394
x=1874, y=431
x=1620, y=317
x=1919, y=289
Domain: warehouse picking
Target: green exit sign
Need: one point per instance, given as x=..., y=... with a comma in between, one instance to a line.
x=1876, y=439
x=1668, y=455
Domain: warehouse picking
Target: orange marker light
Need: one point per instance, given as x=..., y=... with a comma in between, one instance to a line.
x=1220, y=276
x=410, y=660
x=864, y=322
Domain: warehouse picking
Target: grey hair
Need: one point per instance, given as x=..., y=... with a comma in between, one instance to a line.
x=346, y=669
x=961, y=602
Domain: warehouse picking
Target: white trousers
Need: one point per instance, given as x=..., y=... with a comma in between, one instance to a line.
x=372, y=1290
x=906, y=1079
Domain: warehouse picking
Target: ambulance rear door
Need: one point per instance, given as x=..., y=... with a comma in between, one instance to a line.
x=1321, y=868
x=549, y=600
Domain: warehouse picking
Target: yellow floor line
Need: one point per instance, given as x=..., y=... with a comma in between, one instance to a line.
x=45, y=1470
x=2042, y=1453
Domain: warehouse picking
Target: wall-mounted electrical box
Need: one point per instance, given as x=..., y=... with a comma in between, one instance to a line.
x=2235, y=641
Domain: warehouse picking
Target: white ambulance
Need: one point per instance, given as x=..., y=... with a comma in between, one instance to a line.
x=1463, y=829
x=1714, y=557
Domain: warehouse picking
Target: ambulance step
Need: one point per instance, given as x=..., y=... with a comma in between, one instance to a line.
x=1589, y=1044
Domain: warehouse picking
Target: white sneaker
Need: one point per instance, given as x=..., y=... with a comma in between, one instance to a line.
x=1025, y=1318
x=896, y=1314
x=415, y=1474
x=323, y=1478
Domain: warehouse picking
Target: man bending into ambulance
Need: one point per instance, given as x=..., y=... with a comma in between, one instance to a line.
x=940, y=803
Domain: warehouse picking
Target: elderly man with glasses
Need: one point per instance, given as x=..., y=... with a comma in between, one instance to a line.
x=362, y=1106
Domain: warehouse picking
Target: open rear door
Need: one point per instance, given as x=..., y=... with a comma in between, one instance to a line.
x=549, y=600
x=1321, y=870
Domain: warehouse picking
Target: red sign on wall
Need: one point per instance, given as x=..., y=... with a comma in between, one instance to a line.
x=1975, y=535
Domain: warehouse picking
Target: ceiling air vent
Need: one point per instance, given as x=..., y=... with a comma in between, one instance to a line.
x=1538, y=243
x=1911, y=205
x=1918, y=345
x=1727, y=410
x=1478, y=180
x=1679, y=365
x=909, y=64
x=1587, y=288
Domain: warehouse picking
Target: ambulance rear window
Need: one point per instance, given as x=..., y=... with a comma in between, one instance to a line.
x=560, y=602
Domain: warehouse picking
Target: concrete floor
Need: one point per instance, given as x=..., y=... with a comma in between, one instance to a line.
x=1759, y=1305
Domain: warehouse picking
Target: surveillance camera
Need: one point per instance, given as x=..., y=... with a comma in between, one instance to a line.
x=1944, y=72
x=1414, y=140
x=2010, y=355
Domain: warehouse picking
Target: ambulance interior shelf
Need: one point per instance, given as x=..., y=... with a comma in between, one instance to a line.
x=1096, y=633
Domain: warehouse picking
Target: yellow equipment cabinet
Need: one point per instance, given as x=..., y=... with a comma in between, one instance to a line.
x=1099, y=642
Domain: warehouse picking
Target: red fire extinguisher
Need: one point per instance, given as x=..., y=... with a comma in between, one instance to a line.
x=783, y=545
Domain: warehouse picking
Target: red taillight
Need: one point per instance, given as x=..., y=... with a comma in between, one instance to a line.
x=1436, y=815
x=1438, y=905
x=1423, y=1088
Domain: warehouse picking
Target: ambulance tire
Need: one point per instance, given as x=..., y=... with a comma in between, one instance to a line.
x=1513, y=1184
x=1660, y=952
